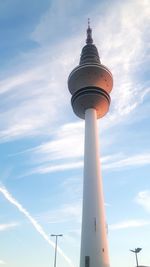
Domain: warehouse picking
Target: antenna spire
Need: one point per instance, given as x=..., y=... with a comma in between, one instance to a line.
x=89, y=39
x=88, y=22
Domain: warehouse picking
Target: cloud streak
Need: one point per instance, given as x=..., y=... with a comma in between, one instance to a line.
x=8, y=226
x=129, y=224
x=43, y=169
x=34, y=223
x=66, y=213
x=129, y=161
x=109, y=162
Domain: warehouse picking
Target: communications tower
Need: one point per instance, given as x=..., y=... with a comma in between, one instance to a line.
x=90, y=84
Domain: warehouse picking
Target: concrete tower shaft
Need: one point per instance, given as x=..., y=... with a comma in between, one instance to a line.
x=94, y=247
x=91, y=82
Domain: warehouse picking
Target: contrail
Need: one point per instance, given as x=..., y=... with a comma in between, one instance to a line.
x=35, y=224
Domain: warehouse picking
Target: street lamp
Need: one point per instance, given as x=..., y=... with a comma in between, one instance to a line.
x=56, y=236
x=136, y=251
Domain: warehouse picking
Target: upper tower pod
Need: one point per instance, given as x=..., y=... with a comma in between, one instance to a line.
x=90, y=82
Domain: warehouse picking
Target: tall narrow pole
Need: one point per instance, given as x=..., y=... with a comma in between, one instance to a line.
x=55, y=252
x=95, y=252
x=55, y=257
x=136, y=259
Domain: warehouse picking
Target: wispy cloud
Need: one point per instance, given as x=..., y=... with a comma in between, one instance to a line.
x=129, y=161
x=68, y=143
x=47, y=168
x=30, y=104
x=8, y=226
x=143, y=199
x=2, y=262
x=66, y=213
x=129, y=224
x=34, y=223
x=125, y=54
x=110, y=162
x=58, y=14
x=32, y=94
x=30, y=98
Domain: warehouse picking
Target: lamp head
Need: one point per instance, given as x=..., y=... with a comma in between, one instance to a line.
x=137, y=250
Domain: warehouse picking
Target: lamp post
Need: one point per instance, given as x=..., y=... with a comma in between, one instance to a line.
x=136, y=251
x=56, y=236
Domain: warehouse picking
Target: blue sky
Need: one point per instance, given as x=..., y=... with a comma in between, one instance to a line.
x=41, y=140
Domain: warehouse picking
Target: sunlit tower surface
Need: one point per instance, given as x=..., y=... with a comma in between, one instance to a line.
x=90, y=84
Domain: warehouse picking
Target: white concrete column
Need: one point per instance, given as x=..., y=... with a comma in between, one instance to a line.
x=94, y=248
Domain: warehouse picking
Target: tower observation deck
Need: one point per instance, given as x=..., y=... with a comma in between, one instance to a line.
x=90, y=84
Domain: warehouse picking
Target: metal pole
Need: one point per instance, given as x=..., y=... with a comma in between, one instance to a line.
x=56, y=236
x=55, y=252
x=136, y=259
x=136, y=251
